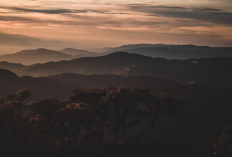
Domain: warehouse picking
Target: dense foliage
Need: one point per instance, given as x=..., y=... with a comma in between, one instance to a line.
x=107, y=122
x=223, y=148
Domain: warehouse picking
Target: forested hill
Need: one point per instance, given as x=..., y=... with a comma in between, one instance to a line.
x=6, y=74
x=211, y=71
x=208, y=108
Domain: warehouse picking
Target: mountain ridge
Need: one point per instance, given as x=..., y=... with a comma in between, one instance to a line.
x=212, y=71
x=41, y=55
x=172, y=51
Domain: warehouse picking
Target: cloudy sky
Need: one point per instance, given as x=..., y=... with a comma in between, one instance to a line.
x=104, y=23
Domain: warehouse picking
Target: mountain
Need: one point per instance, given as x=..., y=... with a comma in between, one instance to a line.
x=115, y=63
x=28, y=57
x=60, y=86
x=6, y=74
x=172, y=51
x=78, y=53
x=211, y=71
x=41, y=88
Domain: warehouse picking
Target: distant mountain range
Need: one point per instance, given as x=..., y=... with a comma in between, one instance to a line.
x=78, y=53
x=182, y=52
x=212, y=71
x=29, y=57
x=171, y=51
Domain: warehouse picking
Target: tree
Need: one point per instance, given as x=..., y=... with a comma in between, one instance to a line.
x=223, y=148
x=116, y=110
x=23, y=95
x=89, y=119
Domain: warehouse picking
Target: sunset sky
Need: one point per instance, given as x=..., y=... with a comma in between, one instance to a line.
x=102, y=23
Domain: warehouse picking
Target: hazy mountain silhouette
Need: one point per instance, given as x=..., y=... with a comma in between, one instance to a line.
x=78, y=53
x=115, y=63
x=212, y=71
x=28, y=57
x=172, y=51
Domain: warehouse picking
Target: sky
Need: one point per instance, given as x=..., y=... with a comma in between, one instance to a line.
x=102, y=23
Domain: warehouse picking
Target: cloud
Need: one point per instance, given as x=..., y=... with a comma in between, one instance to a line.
x=45, y=11
x=59, y=11
x=205, y=15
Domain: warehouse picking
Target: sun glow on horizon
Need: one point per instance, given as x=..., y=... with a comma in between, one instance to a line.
x=110, y=23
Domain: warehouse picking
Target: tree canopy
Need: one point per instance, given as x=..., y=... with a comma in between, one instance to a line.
x=89, y=117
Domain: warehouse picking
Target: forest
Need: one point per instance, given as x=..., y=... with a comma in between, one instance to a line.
x=115, y=78
x=98, y=122
x=118, y=104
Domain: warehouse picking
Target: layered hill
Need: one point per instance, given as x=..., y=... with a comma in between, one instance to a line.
x=60, y=86
x=6, y=74
x=28, y=57
x=78, y=53
x=41, y=88
x=212, y=71
x=172, y=51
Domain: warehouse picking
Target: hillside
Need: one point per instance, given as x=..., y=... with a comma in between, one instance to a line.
x=212, y=71
x=6, y=74
x=28, y=57
x=116, y=63
x=208, y=108
x=41, y=88
x=78, y=53
x=172, y=51
x=212, y=105
x=157, y=85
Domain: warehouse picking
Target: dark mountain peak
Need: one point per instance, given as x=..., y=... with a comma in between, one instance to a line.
x=72, y=51
x=38, y=51
x=43, y=49
x=41, y=55
x=7, y=74
x=69, y=49
x=122, y=53
x=127, y=56
x=119, y=53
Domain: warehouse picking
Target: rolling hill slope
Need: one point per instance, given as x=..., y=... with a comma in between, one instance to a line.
x=212, y=71
x=28, y=57
x=172, y=51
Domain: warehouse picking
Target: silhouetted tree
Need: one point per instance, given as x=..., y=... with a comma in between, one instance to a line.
x=23, y=94
x=117, y=110
x=93, y=119
x=223, y=148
